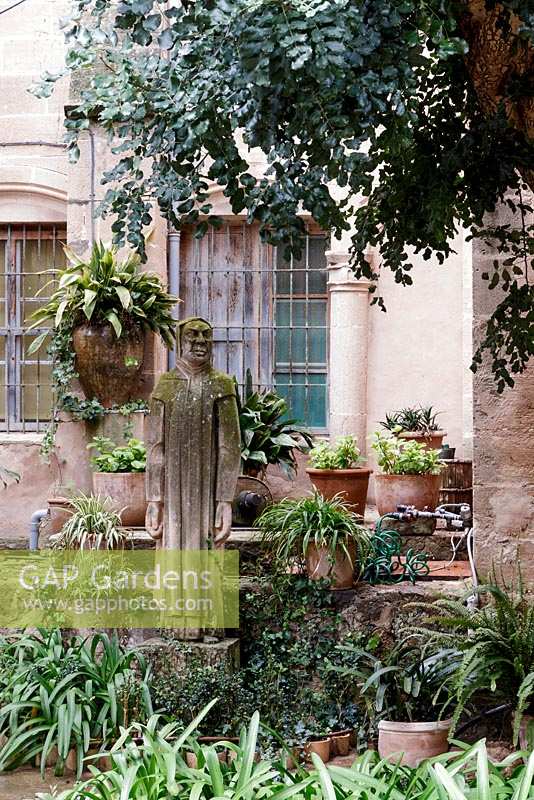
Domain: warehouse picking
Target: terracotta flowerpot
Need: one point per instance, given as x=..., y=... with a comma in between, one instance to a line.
x=321, y=747
x=414, y=740
x=526, y=732
x=421, y=491
x=432, y=441
x=292, y=759
x=108, y=368
x=127, y=493
x=340, y=743
x=192, y=760
x=60, y=512
x=352, y=484
x=340, y=571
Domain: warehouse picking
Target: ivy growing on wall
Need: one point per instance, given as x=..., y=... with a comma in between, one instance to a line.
x=61, y=353
x=422, y=108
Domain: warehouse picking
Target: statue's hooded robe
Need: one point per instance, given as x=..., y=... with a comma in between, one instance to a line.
x=193, y=446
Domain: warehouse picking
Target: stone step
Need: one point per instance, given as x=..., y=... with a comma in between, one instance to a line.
x=445, y=571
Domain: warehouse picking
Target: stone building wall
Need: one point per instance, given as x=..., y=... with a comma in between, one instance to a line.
x=503, y=447
x=33, y=188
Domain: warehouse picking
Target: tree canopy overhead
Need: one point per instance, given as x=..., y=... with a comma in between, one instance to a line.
x=423, y=107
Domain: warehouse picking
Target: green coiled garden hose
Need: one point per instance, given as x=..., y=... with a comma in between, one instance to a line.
x=384, y=563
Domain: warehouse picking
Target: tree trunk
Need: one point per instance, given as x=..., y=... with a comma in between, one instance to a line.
x=499, y=62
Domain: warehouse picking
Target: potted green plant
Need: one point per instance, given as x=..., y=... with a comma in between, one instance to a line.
x=268, y=435
x=324, y=535
x=416, y=424
x=410, y=474
x=61, y=695
x=92, y=525
x=107, y=304
x=405, y=694
x=119, y=473
x=335, y=470
x=496, y=642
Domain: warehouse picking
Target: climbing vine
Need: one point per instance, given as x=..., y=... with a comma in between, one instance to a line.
x=64, y=374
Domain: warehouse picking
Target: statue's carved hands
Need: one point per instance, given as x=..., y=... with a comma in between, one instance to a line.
x=223, y=523
x=154, y=519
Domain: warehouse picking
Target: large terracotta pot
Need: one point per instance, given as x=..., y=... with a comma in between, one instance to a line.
x=414, y=740
x=108, y=367
x=351, y=483
x=432, y=441
x=127, y=493
x=341, y=571
x=421, y=491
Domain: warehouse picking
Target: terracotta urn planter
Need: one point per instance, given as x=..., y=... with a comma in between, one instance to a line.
x=341, y=571
x=126, y=491
x=421, y=491
x=415, y=741
x=320, y=747
x=108, y=368
x=352, y=484
x=432, y=441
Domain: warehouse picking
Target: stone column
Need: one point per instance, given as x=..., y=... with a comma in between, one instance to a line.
x=503, y=460
x=348, y=349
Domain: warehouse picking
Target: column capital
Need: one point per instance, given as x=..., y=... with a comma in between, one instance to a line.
x=341, y=277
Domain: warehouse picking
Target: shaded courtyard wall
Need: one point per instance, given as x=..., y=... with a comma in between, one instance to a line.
x=503, y=446
x=33, y=188
x=417, y=352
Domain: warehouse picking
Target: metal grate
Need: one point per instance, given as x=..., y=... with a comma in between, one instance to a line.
x=269, y=315
x=25, y=381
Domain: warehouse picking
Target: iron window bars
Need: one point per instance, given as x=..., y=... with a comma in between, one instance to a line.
x=25, y=381
x=269, y=315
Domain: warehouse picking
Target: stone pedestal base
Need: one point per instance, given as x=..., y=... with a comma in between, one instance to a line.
x=174, y=654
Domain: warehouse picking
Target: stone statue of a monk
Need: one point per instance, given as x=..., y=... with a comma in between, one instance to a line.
x=193, y=447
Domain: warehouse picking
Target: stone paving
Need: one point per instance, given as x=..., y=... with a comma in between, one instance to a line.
x=23, y=784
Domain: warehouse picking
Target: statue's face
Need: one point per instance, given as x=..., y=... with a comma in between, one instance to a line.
x=197, y=343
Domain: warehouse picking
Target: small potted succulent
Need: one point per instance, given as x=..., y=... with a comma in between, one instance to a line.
x=323, y=535
x=410, y=474
x=416, y=424
x=335, y=470
x=119, y=473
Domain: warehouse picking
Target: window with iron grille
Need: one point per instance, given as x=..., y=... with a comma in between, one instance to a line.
x=269, y=314
x=25, y=381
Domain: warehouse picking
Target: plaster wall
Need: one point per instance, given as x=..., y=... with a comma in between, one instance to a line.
x=419, y=351
x=33, y=188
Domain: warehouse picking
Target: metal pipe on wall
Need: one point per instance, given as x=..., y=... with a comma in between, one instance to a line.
x=173, y=269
